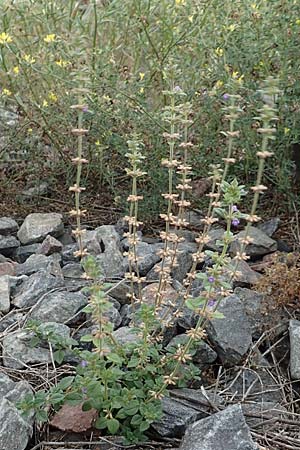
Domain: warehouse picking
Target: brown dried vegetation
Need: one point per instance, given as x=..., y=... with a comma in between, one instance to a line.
x=281, y=280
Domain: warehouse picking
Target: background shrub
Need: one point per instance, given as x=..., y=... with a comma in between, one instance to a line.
x=118, y=52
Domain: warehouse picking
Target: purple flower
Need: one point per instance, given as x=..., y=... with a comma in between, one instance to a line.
x=85, y=109
x=235, y=222
x=211, y=303
x=84, y=390
x=234, y=208
x=211, y=279
x=177, y=89
x=84, y=363
x=225, y=96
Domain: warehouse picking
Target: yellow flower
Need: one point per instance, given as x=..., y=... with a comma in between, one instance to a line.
x=254, y=6
x=6, y=92
x=142, y=76
x=180, y=2
x=286, y=130
x=52, y=97
x=16, y=70
x=29, y=131
x=5, y=38
x=191, y=19
x=219, y=84
x=28, y=59
x=219, y=51
x=106, y=98
x=297, y=22
x=62, y=63
x=240, y=79
x=141, y=90
x=231, y=27
x=49, y=38
x=45, y=103
x=97, y=143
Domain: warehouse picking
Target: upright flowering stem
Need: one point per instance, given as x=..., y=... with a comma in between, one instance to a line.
x=135, y=158
x=77, y=189
x=267, y=116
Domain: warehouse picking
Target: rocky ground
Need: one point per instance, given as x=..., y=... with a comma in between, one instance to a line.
x=249, y=393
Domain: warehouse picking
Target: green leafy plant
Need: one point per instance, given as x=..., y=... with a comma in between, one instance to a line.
x=125, y=382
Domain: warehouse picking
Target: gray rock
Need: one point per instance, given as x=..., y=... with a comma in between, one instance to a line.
x=231, y=335
x=11, y=321
x=119, y=291
x=8, y=226
x=67, y=238
x=187, y=319
x=183, y=407
x=147, y=258
x=35, y=263
x=203, y=354
x=176, y=417
x=245, y=275
x=216, y=234
x=261, y=245
x=125, y=335
x=23, y=252
x=294, y=330
x=18, y=353
x=72, y=273
x=111, y=263
x=35, y=287
x=189, y=236
x=113, y=316
x=10, y=417
x=67, y=253
x=37, y=226
x=102, y=239
x=72, y=270
x=11, y=390
x=225, y=430
x=270, y=226
x=59, y=307
x=58, y=329
x=4, y=294
x=194, y=218
x=182, y=266
x=108, y=236
x=255, y=306
x=50, y=245
x=8, y=245
x=15, y=431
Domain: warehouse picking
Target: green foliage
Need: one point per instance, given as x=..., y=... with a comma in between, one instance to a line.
x=124, y=383
x=118, y=52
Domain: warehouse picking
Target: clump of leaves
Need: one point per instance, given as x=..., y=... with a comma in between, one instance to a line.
x=281, y=281
x=123, y=382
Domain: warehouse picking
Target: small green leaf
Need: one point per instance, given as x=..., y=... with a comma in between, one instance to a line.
x=59, y=356
x=73, y=398
x=144, y=426
x=86, y=406
x=114, y=357
x=65, y=383
x=218, y=315
x=113, y=425
x=101, y=423
x=41, y=416
x=87, y=338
